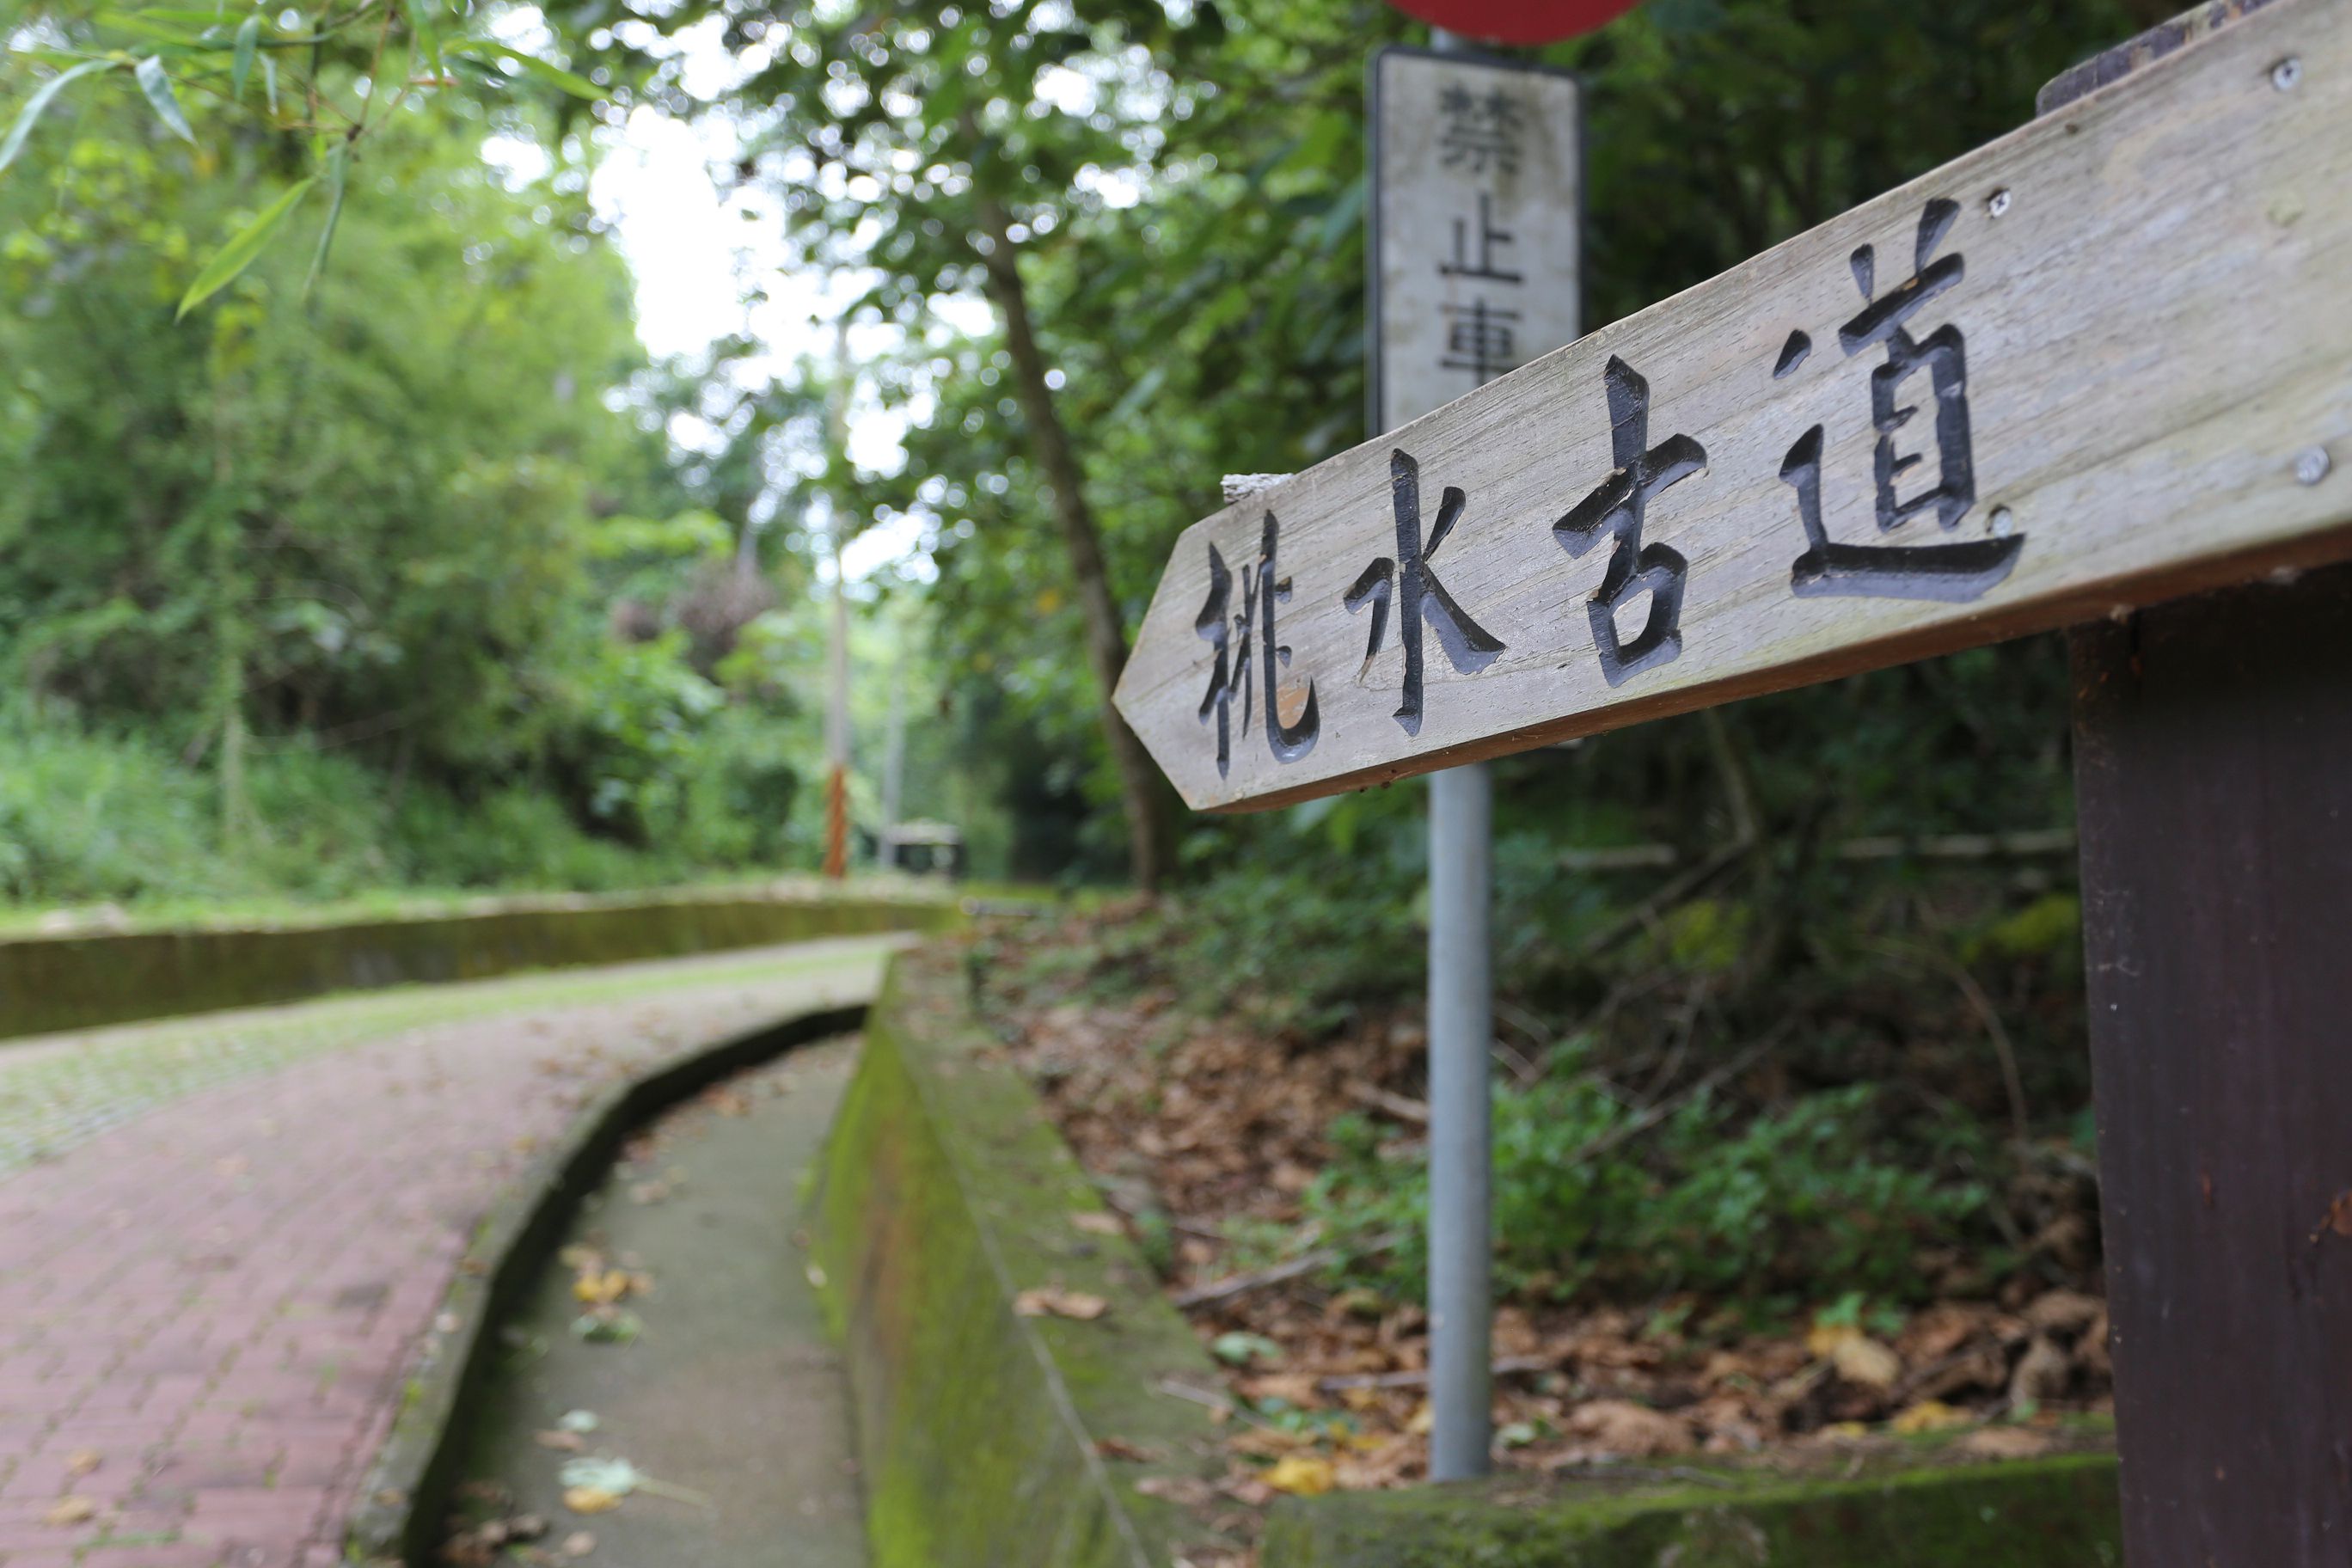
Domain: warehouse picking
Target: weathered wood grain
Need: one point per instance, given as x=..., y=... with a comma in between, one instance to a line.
x=2155, y=304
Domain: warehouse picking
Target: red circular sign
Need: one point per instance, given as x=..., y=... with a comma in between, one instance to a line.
x=1516, y=21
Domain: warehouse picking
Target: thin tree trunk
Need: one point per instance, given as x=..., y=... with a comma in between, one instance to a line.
x=1147, y=819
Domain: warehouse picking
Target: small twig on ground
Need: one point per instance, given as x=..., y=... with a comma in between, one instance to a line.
x=1658, y=1110
x=1304, y=1262
x=1404, y=1107
x=1504, y=1366
x=2013, y=1083
x=1673, y=893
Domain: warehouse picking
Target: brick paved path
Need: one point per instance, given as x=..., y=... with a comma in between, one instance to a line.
x=208, y=1308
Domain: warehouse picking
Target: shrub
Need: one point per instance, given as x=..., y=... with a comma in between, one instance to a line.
x=1745, y=1209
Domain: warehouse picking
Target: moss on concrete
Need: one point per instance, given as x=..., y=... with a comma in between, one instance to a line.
x=944, y=1193
x=945, y=1190
x=2057, y=1512
x=77, y=982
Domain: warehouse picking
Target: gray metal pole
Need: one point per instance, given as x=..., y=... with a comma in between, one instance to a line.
x=1461, y=1033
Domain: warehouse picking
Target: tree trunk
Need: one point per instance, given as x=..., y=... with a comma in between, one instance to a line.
x=1148, y=825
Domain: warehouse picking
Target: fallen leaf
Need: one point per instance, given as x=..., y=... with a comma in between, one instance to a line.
x=1096, y=1222
x=81, y=1461
x=604, y=1288
x=1302, y=1475
x=1120, y=1448
x=1863, y=1359
x=590, y=1499
x=1926, y=1415
x=2005, y=1443
x=2042, y=1373
x=1238, y=1349
x=579, y=1544
x=607, y=1326
x=1185, y=1492
x=2063, y=1311
x=70, y=1511
x=1052, y=1301
x=564, y=1442
x=1621, y=1426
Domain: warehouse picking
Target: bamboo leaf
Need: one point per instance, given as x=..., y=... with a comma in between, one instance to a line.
x=248, y=38
x=245, y=245
x=339, y=168
x=160, y=97
x=31, y=114
x=554, y=76
x=269, y=82
x=428, y=43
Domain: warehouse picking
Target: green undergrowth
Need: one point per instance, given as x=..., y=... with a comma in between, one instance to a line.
x=1729, y=1203
x=1788, y=1081
x=96, y=815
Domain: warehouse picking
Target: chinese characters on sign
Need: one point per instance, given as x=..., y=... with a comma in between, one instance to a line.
x=1642, y=571
x=2084, y=368
x=1476, y=205
x=1956, y=572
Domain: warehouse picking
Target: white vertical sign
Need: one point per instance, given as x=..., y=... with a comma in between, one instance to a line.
x=1477, y=192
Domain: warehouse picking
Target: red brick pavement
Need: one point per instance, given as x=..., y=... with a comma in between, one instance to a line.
x=220, y=1303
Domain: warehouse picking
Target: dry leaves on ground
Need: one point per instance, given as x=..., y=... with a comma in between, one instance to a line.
x=1201, y=1130
x=1048, y=1301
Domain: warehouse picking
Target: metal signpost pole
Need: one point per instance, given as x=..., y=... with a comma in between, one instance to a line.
x=1461, y=1103
x=836, y=708
x=1474, y=270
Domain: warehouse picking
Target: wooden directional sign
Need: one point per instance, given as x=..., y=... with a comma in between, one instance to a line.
x=2102, y=361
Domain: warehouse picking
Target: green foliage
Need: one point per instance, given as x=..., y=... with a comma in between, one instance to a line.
x=327, y=596
x=98, y=816
x=1712, y=1199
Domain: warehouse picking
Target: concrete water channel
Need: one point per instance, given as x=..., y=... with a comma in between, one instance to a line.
x=716, y=1380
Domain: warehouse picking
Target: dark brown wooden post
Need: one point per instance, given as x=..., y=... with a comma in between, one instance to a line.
x=2213, y=765
x=2213, y=759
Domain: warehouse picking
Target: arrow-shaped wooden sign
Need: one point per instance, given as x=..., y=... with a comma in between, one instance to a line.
x=2104, y=360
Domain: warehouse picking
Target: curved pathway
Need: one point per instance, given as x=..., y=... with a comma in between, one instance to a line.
x=208, y=1305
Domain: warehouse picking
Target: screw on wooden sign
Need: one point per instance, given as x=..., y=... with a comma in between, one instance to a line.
x=2082, y=367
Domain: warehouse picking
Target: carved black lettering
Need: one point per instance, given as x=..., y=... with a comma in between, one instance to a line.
x=1469, y=647
x=1949, y=573
x=1616, y=507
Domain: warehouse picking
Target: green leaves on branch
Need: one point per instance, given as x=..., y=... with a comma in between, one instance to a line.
x=31, y=114
x=160, y=98
x=553, y=76
x=248, y=39
x=238, y=255
x=427, y=42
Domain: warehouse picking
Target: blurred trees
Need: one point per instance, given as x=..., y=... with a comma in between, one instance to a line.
x=391, y=519
x=1122, y=241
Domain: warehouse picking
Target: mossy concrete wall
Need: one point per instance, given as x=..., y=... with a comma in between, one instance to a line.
x=50, y=983
x=1928, y=1512
x=986, y=1438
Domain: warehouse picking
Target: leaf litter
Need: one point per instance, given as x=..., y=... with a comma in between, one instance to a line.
x=1203, y=1136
